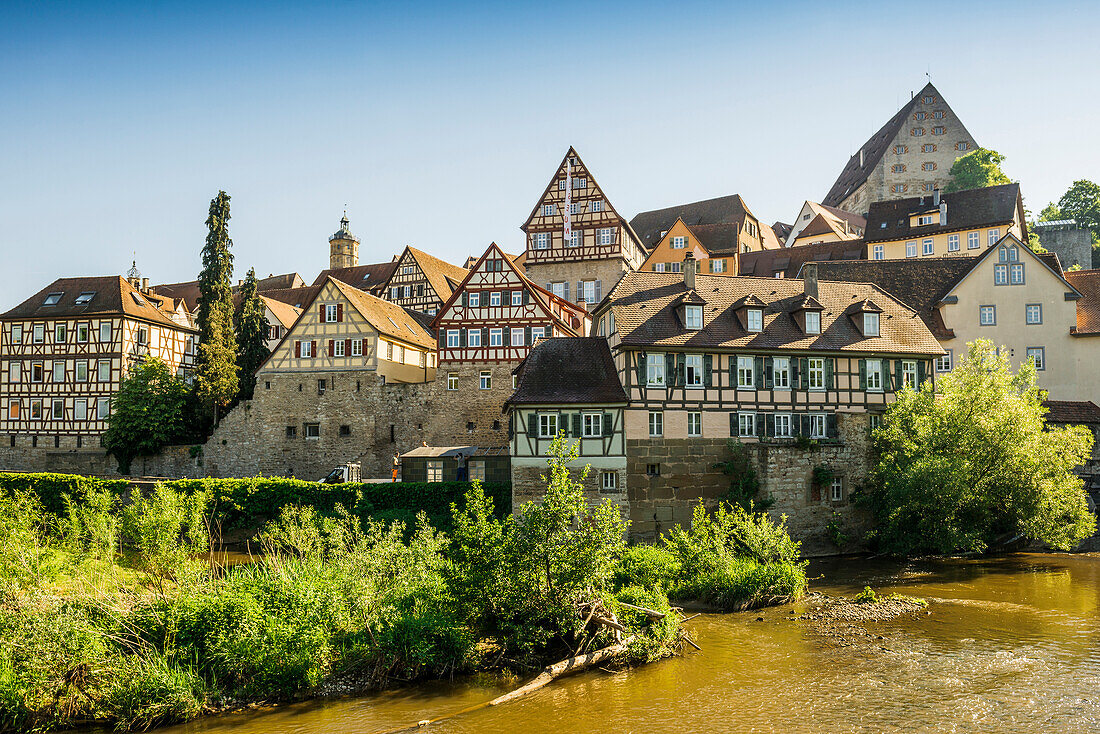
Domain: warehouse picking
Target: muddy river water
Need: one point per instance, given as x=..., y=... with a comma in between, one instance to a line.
x=1012, y=644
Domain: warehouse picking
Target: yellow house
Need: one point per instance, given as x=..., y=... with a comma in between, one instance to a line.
x=820, y=223
x=963, y=223
x=714, y=247
x=345, y=329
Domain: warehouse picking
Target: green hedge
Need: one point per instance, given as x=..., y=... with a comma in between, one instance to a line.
x=253, y=501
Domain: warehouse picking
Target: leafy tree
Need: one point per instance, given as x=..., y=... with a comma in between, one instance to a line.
x=216, y=362
x=1050, y=213
x=1082, y=203
x=250, y=323
x=148, y=413
x=959, y=469
x=976, y=170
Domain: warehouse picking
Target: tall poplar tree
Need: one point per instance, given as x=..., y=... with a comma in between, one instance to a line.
x=216, y=365
x=251, y=325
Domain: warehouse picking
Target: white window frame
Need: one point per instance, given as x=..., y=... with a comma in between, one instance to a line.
x=718, y=265
x=693, y=370
x=1041, y=354
x=1016, y=274
x=813, y=322
x=873, y=368
x=542, y=240
x=485, y=380
x=597, y=205
x=909, y=374
x=517, y=298
x=655, y=373
x=815, y=374
x=475, y=469
x=473, y=337
x=537, y=332
x=878, y=252
x=943, y=364
x=307, y=348
x=694, y=424
x=338, y=348
x=452, y=380
x=101, y=366
x=103, y=408
x=746, y=424
x=819, y=425
x=754, y=319
x=17, y=333
x=871, y=324
x=746, y=373
x=603, y=236
x=973, y=240
x=784, y=420
x=330, y=313
x=927, y=246
x=518, y=337
x=836, y=489
x=454, y=338
x=993, y=235
x=609, y=481
x=781, y=373
x=80, y=409
x=987, y=309
x=494, y=298
x=473, y=299
x=38, y=334
x=656, y=424
x=1035, y=309
x=678, y=243
x=15, y=371
x=592, y=425
x=57, y=409
x=548, y=210
x=83, y=333
x=548, y=425
x=1000, y=274
x=434, y=469
x=911, y=248
x=357, y=347
x=953, y=243
x=693, y=317
x=57, y=371
x=496, y=337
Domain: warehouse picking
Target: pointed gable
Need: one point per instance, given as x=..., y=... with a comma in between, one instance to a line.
x=553, y=196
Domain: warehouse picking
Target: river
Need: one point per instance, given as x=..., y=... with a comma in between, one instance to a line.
x=1012, y=644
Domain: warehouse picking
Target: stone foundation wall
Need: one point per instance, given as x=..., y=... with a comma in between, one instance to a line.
x=173, y=462
x=528, y=484
x=471, y=416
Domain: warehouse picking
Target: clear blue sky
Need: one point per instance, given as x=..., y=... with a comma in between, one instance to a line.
x=439, y=125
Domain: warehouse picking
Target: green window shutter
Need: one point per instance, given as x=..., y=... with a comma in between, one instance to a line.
x=795, y=373
x=526, y=297
x=769, y=424
x=760, y=425
x=920, y=373
x=733, y=424
x=527, y=335
x=640, y=368
x=769, y=373
x=563, y=423
x=830, y=422
x=803, y=373
x=804, y=425
x=461, y=337
x=862, y=374
x=577, y=432
x=485, y=336
x=708, y=365
x=758, y=372
x=681, y=369
x=463, y=298
x=607, y=424
x=733, y=370
x=830, y=382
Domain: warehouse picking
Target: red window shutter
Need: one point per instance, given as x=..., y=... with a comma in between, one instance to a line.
x=331, y=347
x=339, y=312
x=321, y=312
x=312, y=348
x=347, y=347
x=297, y=348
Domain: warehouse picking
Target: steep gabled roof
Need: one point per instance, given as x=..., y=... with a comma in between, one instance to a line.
x=284, y=312
x=113, y=296
x=568, y=370
x=441, y=275
x=788, y=261
x=968, y=209
x=821, y=226
x=368, y=278
x=718, y=239
x=721, y=210
x=1087, y=283
x=297, y=297
x=388, y=318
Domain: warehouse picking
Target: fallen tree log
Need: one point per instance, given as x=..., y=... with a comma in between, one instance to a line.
x=567, y=666
x=651, y=613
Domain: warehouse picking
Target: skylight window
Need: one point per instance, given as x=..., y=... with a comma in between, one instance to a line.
x=52, y=299
x=85, y=297
x=410, y=329
x=393, y=322
x=137, y=299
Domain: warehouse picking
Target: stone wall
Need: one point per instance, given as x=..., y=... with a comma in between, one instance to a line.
x=1073, y=245
x=608, y=272
x=471, y=416
x=173, y=462
x=528, y=484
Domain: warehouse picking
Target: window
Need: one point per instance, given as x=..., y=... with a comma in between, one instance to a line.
x=952, y=243
x=679, y=243
x=898, y=168
x=609, y=481
x=330, y=313
x=435, y=470
x=928, y=148
x=473, y=299
x=898, y=189
x=397, y=353
x=781, y=373
x=85, y=297
x=476, y=470
x=103, y=370
x=1000, y=275
x=818, y=425
x=718, y=265
x=1008, y=254
x=878, y=252
x=322, y=385
x=542, y=241
x=943, y=364
x=13, y=409
x=338, y=347
x=547, y=210
x=909, y=374
x=918, y=116
x=143, y=336
x=52, y=299
x=453, y=338
x=992, y=236
x=813, y=322
x=917, y=132
x=693, y=367
x=597, y=205
x=486, y=380
x=36, y=371
x=473, y=337
x=755, y=319
x=604, y=236
x=592, y=425
x=782, y=425
x=656, y=424
x=312, y=430
x=548, y=425
x=816, y=373
x=1034, y=313
x=576, y=238
x=17, y=333
x=972, y=241
x=695, y=424
x=103, y=408
x=693, y=317
x=746, y=424
x=82, y=333
x=655, y=369
x=924, y=219
x=937, y=130
x=357, y=347
x=836, y=489
x=58, y=370
x=307, y=348
x=926, y=247
x=653, y=470
x=580, y=183
x=517, y=337
x=874, y=375
x=38, y=333
x=987, y=315
x=911, y=249
x=928, y=166
x=1038, y=355
x=452, y=380
x=15, y=371
x=494, y=298
x=36, y=410
x=589, y=293
x=1016, y=273
x=57, y=409
x=870, y=324
x=559, y=289
x=746, y=373
x=517, y=298
x=496, y=337
x=80, y=409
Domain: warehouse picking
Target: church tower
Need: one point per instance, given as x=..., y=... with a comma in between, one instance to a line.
x=343, y=247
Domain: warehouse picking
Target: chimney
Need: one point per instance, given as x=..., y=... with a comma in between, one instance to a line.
x=689, y=270
x=145, y=285
x=809, y=279
x=943, y=214
x=936, y=196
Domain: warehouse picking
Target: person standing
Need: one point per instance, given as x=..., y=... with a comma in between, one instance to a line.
x=396, y=465
x=462, y=473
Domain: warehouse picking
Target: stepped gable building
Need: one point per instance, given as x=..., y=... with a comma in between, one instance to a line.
x=960, y=223
x=485, y=329
x=600, y=245
x=714, y=246
x=787, y=263
x=766, y=362
x=819, y=223
x=569, y=386
x=1020, y=300
x=911, y=154
x=751, y=235
x=421, y=281
x=65, y=351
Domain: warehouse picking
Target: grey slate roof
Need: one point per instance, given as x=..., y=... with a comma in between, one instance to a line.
x=968, y=209
x=721, y=210
x=568, y=370
x=788, y=260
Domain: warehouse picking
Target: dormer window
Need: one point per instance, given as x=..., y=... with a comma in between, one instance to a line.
x=754, y=319
x=85, y=297
x=813, y=322
x=693, y=317
x=870, y=324
x=52, y=299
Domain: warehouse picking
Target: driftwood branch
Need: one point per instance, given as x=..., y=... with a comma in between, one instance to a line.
x=567, y=666
x=652, y=614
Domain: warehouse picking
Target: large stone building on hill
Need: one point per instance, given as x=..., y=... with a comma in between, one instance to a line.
x=910, y=155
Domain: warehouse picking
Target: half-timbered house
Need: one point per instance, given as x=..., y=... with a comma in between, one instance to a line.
x=714, y=247
x=421, y=281
x=65, y=350
x=577, y=243
x=485, y=329
x=569, y=387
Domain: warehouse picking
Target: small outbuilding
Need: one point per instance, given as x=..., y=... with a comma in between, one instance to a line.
x=441, y=463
